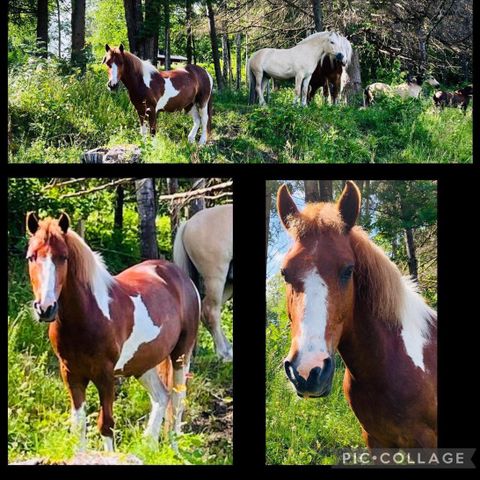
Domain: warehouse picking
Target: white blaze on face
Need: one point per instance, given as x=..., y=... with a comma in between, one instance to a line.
x=143, y=331
x=47, y=278
x=312, y=345
x=169, y=92
x=114, y=74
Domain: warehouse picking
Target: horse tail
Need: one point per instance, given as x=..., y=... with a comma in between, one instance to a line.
x=252, y=97
x=181, y=258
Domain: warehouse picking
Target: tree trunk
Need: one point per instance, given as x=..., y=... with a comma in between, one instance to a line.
x=214, y=42
x=42, y=27
x=326, y=190
x=172, y=187
x=194, y=50
x=133, y=18
x=268, y=206
x=59, y=27
x=198, y=203
x=78, y=33
x=354, y=85
x=167, y=35
x=118, y=215
x=238, y=50
x=225, y=59
x=411, y=254
x=188, y=21
x=145, y=189
x=312, y=191
x=317, y=15
x=151, y=25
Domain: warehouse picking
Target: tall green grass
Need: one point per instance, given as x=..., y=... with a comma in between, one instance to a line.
x=55, y=115
x=38, y=405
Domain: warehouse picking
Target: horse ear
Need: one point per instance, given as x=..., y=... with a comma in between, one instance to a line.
x=121, y=48
x=287, y=210
x=107, y=47
x=349, y=204
x=31, y=223
x=64, y=222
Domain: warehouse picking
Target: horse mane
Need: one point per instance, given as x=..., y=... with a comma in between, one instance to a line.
x=139, y=66
x=86, y=265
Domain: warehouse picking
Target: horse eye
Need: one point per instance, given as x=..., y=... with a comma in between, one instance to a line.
x=284, y=273
x=63, y=258
x=346, y=273
x=32, y=258
x=332, y=42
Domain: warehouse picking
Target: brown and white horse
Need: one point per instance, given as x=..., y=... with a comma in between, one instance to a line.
x=331, y=76
x=203, y=247
x=344, y=293
x=102, y=326
x=151, y=90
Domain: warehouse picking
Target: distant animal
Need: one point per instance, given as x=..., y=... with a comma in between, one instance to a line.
x=102, y=326
x=345, y=294
x=459, y=98
x=203, y=248
x=298, y=62
x=409, y=89
x=331, y=76
x=152, y=91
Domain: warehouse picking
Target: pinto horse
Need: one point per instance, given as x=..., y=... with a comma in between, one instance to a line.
x=344, y=293
x=459, y=98
x=298, y=62
x=151, y=90
x=102, y=326
x=203, y=247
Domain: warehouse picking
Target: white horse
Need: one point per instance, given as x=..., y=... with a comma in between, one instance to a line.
x=298, y=62
x=203, y=247
x=409, y=89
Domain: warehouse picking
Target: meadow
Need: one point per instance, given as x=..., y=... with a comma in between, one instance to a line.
x=56, y=113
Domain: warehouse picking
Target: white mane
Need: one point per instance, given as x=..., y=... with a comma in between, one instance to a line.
x=344, y=45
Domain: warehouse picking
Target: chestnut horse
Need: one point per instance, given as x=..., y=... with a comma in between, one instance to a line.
x=344, y=293
x=329, y=75
x=102, y=326
x=151, y=90
x=203, y=247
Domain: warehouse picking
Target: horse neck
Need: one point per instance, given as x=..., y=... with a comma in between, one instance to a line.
x=135, y=73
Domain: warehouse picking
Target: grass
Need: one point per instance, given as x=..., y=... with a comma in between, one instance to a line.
x=302, y=432
x=55, y=116
x=38, y=405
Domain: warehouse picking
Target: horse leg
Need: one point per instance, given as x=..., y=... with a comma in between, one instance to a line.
x=142, y=113
x=266, y=85
x=196, y=123
x=76, y=388
x=159, y=398
x=259, y=88
x=204, y=119
x=306, y=83
x=151, y=114
x=211, y=313
x=106, y=391
x=181, y=367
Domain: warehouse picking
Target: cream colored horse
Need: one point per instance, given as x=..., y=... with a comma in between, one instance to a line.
x=298, y=62
x=409, y=89
x=203, y=247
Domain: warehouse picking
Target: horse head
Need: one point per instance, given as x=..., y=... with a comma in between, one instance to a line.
x=339, y=48
x=47, y=257
x=114, y=59
x=318, y=271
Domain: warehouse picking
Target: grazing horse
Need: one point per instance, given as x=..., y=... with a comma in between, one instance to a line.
x=151, y=90
x=298, y=62
x=330, y=75
x=409, y=89
x=102, y=326
x=344, y=293
x=203, y=247
x=459, y=98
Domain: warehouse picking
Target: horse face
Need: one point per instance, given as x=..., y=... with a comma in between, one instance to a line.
x=47, y=263
x=335, y=48
x=114, y=60
x=318, y=271
x=432, y=82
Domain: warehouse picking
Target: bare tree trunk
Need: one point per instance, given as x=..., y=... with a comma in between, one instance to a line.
x=118, y=215
x=199, y=203
x=312, y=191
x=238, y=50
x=150, y=28
x=317, y=15
x=188, y=21
x=59, y=27
x=145, y=189
x=133, y=18
x=42, y=27
x=194, y=49
x=411, y=254
x=78, y=33
x=172, y=187
x=167, y=35
x=214, y=42
x=326, y=190
x=354, y=85
x=225, y=59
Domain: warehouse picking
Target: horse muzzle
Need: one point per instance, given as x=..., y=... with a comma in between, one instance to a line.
x=341, y=58
x=318, y=383
x=48, y=314
x=112, y=86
